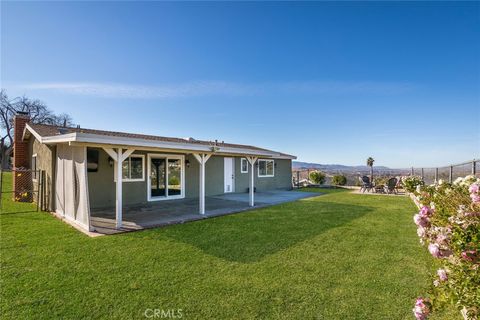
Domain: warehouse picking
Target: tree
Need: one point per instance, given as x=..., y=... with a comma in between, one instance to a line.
x=318, y=177
x=38, y=112
x=339, y=180
x=370, y=162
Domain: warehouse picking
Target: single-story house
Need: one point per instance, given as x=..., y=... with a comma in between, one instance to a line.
x=81, y=168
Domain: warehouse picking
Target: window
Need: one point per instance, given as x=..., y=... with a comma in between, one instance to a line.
x=34, y=167
x=244, y=166
x=92, y=160
x=266, y=168
x=165, y=176
x=133, y=168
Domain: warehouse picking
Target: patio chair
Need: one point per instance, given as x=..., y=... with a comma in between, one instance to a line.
x=366, y=184
x=391, y=187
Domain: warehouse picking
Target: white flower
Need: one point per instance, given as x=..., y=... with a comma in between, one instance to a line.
x=440, y=182
x=459, y=180
x=418, y=188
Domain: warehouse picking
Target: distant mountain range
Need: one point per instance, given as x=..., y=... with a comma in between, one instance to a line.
x=338, y=167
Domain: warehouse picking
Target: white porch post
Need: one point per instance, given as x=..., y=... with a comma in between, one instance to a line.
x=202, y=159
x=118, y=203
x=252, y=161
x=118, y=156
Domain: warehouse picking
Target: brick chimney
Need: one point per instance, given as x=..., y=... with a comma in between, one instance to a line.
x=22, y=180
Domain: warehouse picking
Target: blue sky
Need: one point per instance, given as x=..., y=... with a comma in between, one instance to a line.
x=328, y=82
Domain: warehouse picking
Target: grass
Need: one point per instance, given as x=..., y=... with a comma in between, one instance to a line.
x=336, y=256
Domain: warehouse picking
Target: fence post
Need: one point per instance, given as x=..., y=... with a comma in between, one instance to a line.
x=422, y=175
x=298, y=179
x=412, y=171
x=474, y=169
x=450, y=178
x=436, y=174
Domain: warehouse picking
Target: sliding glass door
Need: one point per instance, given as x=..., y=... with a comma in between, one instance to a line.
x=166, y=177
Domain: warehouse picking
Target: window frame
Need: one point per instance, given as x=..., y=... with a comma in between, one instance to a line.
x=34, y=169
x=266, y=175
x=167, y=157
x=241, y=165
x=142, y=156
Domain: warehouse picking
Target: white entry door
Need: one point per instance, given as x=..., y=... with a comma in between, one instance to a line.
x=229, y=174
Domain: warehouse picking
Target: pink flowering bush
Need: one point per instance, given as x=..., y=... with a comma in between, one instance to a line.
x=448, y=225
x=421, y=308
x=410, y=183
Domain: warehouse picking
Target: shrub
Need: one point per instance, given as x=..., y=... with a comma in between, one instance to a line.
x=339, y=180
x=449, y=226
x=411, y=183
x=382, y=180
x=173, y=181
x=318, y=177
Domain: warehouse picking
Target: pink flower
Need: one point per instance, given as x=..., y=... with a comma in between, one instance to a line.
x=441, y=238
x=434, y=250
x=420, y=220
x=474, y=188
x=421, y=309
x=472, y=214
x=475, y=198
x=421, y=232
x=426, y=211
x=469, y=255
x=442, y=274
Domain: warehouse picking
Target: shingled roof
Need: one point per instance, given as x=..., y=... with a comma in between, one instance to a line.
x=46, y=131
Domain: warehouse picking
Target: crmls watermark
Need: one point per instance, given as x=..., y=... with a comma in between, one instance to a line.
x=163, y=313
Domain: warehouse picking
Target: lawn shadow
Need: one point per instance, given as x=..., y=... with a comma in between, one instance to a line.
x=2, y=213
x=250, y=236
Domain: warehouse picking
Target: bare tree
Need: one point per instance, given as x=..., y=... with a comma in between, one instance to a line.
x=38, y=112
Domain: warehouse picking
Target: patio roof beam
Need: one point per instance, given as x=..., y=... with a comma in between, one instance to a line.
x=118, y=156
x=202, y=158
x=251, y=189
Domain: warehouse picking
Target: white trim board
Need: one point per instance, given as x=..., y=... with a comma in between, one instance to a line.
x=166, y=157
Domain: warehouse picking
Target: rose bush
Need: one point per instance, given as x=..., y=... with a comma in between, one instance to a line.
x=410, y=183
x=448, y=225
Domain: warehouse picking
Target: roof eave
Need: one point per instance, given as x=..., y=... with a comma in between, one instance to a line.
x=88, y=138
x=134, y=142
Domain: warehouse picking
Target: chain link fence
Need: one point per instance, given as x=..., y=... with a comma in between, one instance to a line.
x=28, y=187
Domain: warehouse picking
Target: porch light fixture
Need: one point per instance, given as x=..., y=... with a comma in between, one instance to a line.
x=187, y=163
x=110, y=161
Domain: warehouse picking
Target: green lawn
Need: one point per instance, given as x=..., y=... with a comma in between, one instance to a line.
x=336, y=256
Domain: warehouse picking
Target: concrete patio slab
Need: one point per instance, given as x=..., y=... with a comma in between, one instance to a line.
x=162, y=213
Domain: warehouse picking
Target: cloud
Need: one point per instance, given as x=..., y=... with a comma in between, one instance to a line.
x=216, y=88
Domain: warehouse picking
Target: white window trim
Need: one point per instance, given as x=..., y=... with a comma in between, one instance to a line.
x=133, y=155
x=166, y=157
x=241, y=165
x=267, y=175
x=34, y=170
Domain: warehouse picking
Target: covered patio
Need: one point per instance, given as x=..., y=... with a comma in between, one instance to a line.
x=155, y=214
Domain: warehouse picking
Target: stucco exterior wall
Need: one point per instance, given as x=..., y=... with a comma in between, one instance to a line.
x=281, y=181
x=46, y=162
x=102, y=185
